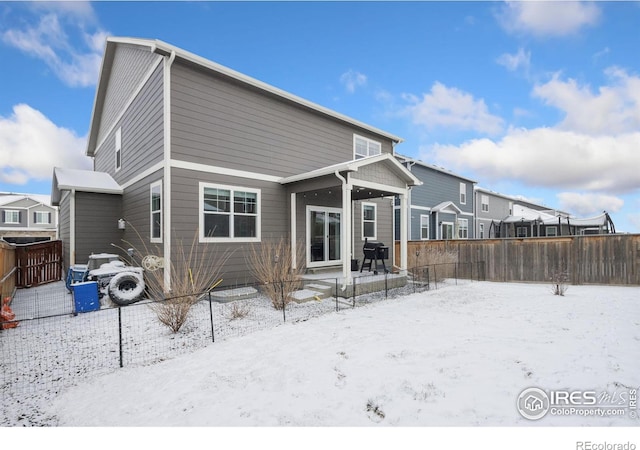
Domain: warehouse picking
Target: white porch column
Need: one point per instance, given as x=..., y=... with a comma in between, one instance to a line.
x=294, y=250
x=404, y=214
x=345, y=232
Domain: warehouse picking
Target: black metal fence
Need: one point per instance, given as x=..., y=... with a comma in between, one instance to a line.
x=43, y=355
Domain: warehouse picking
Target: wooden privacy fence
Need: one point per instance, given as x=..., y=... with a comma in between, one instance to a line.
x=7, y=270
x=38, y=263
x=598, y=259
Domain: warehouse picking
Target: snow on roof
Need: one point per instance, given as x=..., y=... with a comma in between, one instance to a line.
x=11, y=197
x=81, y=180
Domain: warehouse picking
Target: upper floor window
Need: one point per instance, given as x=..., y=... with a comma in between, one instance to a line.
x=156, y=211
x=463, y=194
x=363, y=147
x=485, y=203
x=41, y=217
x=229, y=213
x=11, y=216
x=369, y=228
x=118, y=148
x=463, y=228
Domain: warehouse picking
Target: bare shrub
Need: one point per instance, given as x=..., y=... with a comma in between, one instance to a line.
x=559, y=281
x=271, y=263
x=193, y=271
x=239, y=311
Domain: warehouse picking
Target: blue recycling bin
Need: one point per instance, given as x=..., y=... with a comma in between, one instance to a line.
x=85, y=296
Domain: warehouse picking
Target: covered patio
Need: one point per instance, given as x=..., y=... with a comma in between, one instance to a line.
x=333, y=210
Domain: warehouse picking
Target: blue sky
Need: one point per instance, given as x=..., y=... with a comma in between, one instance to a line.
x=537, y=99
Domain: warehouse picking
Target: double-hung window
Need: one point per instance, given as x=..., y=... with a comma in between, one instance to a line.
x=463, y=228
x=156, y=211
x=41, y=217
x=11, y=216
x=485, y=203
x=463, y=193
x=369, y=227
x=229, y=213
x=363, y=147
x=424, y=227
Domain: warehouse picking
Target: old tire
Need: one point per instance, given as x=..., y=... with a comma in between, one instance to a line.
x=126, y=288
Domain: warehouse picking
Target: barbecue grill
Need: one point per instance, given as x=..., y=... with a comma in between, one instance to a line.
x=374, y=252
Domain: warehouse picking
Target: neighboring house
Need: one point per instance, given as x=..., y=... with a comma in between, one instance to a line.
x=499, y=216
x=184, y=147
x=442, y=207
x=27, y=218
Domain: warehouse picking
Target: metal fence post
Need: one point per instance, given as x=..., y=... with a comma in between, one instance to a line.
x=386, y=287
x=120, y=335
x=284, y=307
x=213, y=337
x=355, y=282
x=337, y=295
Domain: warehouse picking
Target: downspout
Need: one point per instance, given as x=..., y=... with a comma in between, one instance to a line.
x=72, y=228
x=166, y=176
x=345, y=243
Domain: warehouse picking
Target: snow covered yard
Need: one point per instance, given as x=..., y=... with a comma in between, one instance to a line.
x=457, y=356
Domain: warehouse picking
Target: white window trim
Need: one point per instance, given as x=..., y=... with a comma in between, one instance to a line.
x=12, y=211
x=118, y=150
x=460, y=228
x=369, y=142
x=463, y=193
x=555, y=231
x=46, y=214
x=205, y=239
x=481, y=231
x=447, y=224
x=151, y=211
x=484, y=202
x=375, y=221
x=424, y=218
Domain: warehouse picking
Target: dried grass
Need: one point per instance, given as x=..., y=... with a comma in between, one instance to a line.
x=271, y=263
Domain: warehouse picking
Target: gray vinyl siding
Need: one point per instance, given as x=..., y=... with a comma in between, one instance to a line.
x=142, y=134
x=378, y=173
x=96, y=224
x=439, y=187
x=220, y=123
x=64, y=229
x=136, y=210
x=274, y=216
x=129, y=66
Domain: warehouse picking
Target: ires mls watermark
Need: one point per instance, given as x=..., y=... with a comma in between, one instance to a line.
x=535, y=403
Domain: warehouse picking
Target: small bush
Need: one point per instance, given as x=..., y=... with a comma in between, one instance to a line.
x=271, y=263
x=559, y=281
x=238, y=311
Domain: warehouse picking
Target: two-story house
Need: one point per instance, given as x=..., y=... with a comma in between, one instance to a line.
x=499, y=216
x=441, y=207
x=27, y=218
x=183, y=146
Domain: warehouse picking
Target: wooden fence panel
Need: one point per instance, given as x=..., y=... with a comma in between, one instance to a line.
x=38, y=263
x=7, y=270
x=599, y=259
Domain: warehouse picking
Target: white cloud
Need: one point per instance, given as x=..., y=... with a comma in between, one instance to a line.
x=548, y=18
x=452, y=108
x=521, y=60
x=31, y=145
x=549, y=157
x=589, y=204
x=59, y=38
x=352, y=79
x=612, y=109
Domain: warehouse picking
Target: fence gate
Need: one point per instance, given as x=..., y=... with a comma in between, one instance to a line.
x=38, y=263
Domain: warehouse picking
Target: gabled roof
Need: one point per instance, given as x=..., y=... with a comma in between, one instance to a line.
x=83, y=181
x=353, y=166
x=433, y=167
x=6, y=198
x=447, y=206
x=165, y=49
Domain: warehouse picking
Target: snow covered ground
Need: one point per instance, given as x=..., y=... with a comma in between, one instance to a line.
x=456, y=356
